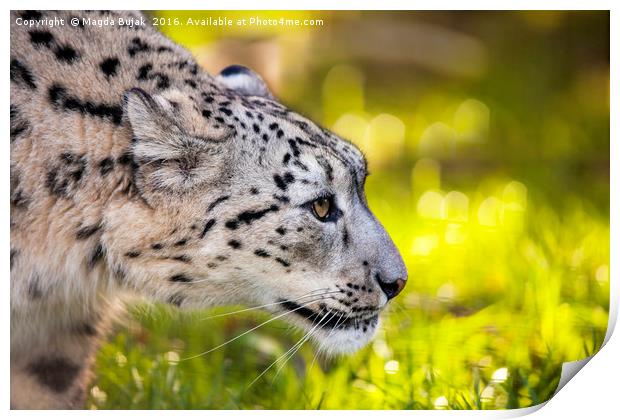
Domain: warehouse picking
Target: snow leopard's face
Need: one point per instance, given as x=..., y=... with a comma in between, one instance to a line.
x=243, y=201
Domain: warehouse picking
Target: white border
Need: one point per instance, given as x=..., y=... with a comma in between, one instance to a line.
x=593, y=394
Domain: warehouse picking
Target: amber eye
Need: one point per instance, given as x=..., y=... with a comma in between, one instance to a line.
x=322, y=208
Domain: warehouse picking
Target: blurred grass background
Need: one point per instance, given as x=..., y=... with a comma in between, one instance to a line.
x=488, y=139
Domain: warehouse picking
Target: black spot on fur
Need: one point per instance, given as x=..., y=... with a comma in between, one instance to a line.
x=281, y=198
x=294, y=147
x=31, y=15
x=65, y=176
x=125, y=159
x=254, y=191
x=286, y=159
x=16, y=130
x=19, y=200
x=210, y=223
x=327, y=167
x=66, y=54
x=182, y=258
x=132, y=254
x=283, y=262
x=283, y=181
x=190, y=83
x=305, y=143
x=181, y=242
x=14, y=254
x=18, y=124
x=300, y=165
x=206, y=113
x=232, y=224
x=106, y=166
x=109, y=66
x=60, y=98
x=180, y=278
x=345, y=237
x=145, y=73
x=279, y=182
x=136, y=46
x=164, y=49
x=288, y=178
x=261, y=253
x=217, y=201
x=87, y=231
x=96, y=256
x=20, y=73
x=41, y=38
x=157, y=246
x=249, y=216
x=234, y=244
x=56, y=373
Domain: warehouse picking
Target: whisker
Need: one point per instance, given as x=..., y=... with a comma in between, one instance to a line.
x=314, y=293
x=250, y=330
x=305, y=339
x=285, y=354
x=320, y=348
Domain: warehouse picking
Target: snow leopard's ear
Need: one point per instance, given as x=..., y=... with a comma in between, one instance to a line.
x=166, y=157
x=150, y=116
x=244, y=81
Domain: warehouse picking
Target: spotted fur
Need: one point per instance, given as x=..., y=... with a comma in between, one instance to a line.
x=133, y=170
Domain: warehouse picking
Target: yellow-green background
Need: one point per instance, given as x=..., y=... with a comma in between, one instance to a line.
x=487, y=135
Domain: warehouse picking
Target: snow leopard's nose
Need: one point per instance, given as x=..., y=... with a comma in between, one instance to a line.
x=390, y=271
x=391, y=288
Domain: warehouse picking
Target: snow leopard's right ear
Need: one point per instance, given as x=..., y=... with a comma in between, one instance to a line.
x=245, y=81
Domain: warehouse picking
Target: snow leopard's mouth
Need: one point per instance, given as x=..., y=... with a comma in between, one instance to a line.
x=333, y=319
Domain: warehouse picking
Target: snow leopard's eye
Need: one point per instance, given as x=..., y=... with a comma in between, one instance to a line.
x=322, y=208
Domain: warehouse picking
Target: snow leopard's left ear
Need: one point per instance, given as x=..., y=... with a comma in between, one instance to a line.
x=169, y=160
x=244, y=81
